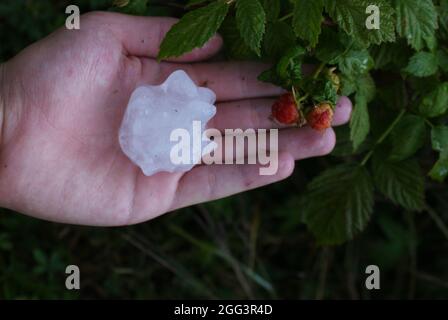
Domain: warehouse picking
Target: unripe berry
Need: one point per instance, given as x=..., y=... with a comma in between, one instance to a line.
x=320, y=117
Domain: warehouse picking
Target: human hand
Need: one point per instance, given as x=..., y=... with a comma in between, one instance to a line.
x=64, y=99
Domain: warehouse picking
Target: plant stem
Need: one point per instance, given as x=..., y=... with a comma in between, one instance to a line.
x=429, y=123
x=383, y=137
x=304, y=97
x=293, y=90
x=289, y=15
x=318, y=70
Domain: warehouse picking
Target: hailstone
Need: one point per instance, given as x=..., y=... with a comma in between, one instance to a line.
x=155, y=112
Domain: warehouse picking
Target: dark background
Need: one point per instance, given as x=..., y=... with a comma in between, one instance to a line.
x=246, y=246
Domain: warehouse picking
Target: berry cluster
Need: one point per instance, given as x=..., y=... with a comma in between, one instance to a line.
x=286, y=110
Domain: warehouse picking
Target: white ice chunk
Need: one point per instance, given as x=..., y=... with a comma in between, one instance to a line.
x=154, y=112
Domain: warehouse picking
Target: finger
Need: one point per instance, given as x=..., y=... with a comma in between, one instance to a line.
x=343, y=111
x=306, y=143
x=206, y=183
x=244, y=114
x=142, y=36
x=247, y=147
x=229, y=80
x=256, y=114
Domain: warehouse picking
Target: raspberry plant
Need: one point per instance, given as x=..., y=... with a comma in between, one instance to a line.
x=396, y=144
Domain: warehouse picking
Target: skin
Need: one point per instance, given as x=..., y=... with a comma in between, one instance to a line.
x=61, y=103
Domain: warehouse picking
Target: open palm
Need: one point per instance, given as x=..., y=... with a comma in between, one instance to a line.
x=64, y=100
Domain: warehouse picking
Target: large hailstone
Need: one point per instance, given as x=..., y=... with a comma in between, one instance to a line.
x=154, y=112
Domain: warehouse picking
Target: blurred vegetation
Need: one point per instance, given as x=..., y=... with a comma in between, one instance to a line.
x=247, y=246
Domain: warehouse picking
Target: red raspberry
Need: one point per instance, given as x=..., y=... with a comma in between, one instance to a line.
x=284, y=110
x=320, y=117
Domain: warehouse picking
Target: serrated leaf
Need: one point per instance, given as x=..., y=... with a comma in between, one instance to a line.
x=272, y=9
x=360, y=121
x=278, y=38
x=355, y=62
x=402, y=182
x=325, y=91
x=271, y=76
x=435, y=103
x=443, y=18
x=351, y=16
x=330, y=46
x=423, y=64
x=407, y=137
x=416, y=21
x=234, y=46
x=307, y=19
x=289, y=67
x=391, y=56
x=193, y=30
x=251, y=20
x=338, y=203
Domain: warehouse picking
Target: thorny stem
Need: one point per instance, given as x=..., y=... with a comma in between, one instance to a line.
x=383, y=137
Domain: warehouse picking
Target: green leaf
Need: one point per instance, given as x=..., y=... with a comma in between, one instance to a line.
x=288, y=70
x=407, y=137
x=234, y=45
x=351, y=16
x=360, y=121
x=272, y=9
x=439, y=138
x=423, y=64
x=355, y=62
x=307, y=19
x=416, y=21
x=435, y=103
x=330, y=46
x=443, y=18
x=440, y=170
x=271, y=76
x=278, y=39
x=193, y=30
x=338, y=203
x=402, y=182
x=251, y=20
